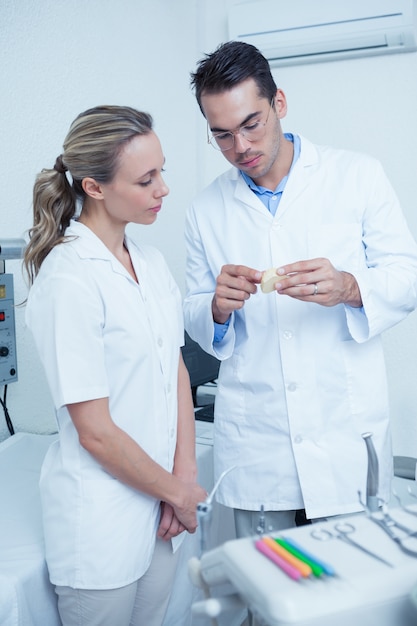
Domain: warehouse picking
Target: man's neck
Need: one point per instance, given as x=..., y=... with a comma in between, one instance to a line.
x=280, y=167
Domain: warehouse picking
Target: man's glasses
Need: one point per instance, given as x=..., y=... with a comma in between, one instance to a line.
x=251, y=132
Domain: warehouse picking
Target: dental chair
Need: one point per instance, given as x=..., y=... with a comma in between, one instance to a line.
x=405, y=467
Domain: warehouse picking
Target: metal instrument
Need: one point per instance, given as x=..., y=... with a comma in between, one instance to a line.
x=205, y=509
x=388, y=524
x=377, y=510
x=372, y=479
x=343, y=531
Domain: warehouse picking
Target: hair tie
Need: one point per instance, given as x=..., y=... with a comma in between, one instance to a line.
x=59, y=166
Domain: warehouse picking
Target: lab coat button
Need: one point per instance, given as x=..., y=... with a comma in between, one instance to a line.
x=160, y=342
x=292, y=386
x=172, y=433
x=287, y=334
x=168, y=388
x=298, y=439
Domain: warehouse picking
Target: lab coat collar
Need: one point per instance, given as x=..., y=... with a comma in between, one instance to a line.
x=297, y=181
x=309, y=154
x=89, y=246
x=299, y=177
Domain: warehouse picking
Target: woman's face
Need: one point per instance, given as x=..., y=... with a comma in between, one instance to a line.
x=135, y=194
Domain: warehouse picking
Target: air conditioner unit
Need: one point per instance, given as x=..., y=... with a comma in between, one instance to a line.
x=303, y=31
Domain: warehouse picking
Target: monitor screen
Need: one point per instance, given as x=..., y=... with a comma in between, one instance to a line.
x=202, y=367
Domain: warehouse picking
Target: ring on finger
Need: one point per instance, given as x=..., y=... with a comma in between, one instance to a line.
x=316, y=289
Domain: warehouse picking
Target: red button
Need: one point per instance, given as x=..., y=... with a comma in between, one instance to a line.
x=2, y=316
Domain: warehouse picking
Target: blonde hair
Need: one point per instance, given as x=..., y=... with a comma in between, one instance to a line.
x=91, y=149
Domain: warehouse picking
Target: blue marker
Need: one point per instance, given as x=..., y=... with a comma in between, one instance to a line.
x=328, y=569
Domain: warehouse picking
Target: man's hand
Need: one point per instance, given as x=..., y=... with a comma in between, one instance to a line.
x=235, y=284
x=318, y=281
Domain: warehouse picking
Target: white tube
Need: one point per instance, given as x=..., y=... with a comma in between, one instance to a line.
x=214, y=606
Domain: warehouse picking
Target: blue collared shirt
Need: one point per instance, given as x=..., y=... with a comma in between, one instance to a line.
x=271, y=200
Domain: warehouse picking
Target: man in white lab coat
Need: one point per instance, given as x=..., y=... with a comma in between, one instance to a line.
x=302, y=373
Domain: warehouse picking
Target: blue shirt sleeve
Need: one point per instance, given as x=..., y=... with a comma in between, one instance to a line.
x=220, y=330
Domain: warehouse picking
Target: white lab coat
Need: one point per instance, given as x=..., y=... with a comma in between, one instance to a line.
x=299, y=383
x=100, y=334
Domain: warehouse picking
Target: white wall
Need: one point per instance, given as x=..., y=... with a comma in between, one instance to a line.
x=58, y=57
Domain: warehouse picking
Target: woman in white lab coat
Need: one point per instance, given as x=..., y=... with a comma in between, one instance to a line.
x=119, y=485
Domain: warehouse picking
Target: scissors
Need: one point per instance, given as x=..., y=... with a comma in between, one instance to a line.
x=343, y=531
x=389, y=525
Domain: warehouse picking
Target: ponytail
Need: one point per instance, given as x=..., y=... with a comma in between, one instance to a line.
x=54, y=204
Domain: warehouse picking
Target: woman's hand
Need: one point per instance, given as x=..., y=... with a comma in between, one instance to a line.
x=169, y=524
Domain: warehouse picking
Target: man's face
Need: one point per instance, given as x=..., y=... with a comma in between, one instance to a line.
x=239, y=110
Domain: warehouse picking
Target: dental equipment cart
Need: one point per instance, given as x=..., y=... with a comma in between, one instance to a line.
x=363, y=591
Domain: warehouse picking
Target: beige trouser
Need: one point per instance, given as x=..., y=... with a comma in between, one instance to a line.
x=247, y=522
x=142, y=603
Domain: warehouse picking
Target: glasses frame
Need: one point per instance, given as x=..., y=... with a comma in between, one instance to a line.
x=211, y=138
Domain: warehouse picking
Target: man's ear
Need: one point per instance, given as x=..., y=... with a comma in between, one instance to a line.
x=280, y=104
x=92, y=188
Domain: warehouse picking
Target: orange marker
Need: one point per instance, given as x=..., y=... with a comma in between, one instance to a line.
x=304, y=569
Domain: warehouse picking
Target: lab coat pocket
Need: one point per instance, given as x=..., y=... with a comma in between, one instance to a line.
x=341, y=243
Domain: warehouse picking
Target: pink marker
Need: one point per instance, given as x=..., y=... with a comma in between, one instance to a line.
x=290, y=570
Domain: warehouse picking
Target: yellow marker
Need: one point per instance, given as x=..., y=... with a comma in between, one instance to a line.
x=304, y=569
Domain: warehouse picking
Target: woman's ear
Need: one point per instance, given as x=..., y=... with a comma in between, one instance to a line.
x=92, y=188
